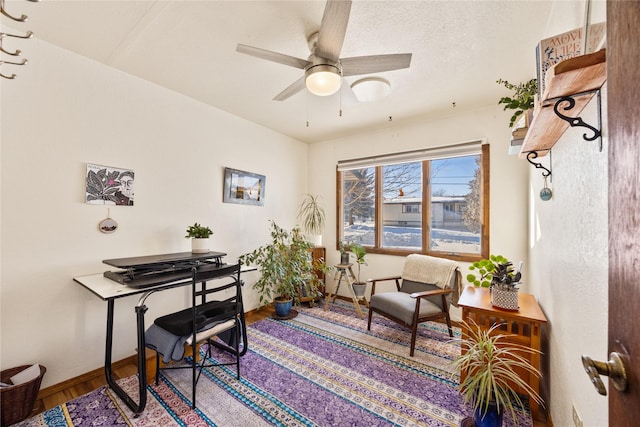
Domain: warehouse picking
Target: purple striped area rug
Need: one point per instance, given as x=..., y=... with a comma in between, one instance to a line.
x=321, y=368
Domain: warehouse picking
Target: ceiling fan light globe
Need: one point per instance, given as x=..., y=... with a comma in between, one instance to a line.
x=323, y=80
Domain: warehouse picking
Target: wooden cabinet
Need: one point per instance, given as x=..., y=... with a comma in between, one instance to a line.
x=523, y=326
x=317, y=253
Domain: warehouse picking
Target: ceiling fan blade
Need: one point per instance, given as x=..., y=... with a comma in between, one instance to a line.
x=273, y=56
x=374, y=63
x=293, y=88
x=332, y=29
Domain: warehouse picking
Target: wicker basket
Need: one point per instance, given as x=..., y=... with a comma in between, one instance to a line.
x=18, y=400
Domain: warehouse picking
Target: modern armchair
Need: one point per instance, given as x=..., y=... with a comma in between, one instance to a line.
x=424, y=291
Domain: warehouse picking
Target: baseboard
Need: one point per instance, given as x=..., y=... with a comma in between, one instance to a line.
x=86, y=377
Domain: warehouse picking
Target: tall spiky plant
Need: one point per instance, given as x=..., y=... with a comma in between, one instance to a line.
x=312, y=213
x=491, y=364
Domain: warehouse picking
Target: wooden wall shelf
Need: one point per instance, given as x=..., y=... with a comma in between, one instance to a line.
x=579, y=78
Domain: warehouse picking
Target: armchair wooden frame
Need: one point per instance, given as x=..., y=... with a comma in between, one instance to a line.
x=416, y=313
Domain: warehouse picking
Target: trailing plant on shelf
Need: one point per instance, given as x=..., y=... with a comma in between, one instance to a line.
x=197, y=231
x=496, y=271
x=286, y=266
x=523, y=98
x=491, y=363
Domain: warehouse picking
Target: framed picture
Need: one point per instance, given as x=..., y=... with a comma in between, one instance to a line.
x=242, y=187
x=106, y=185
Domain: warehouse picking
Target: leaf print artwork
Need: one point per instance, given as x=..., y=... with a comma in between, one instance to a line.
x=109, y=186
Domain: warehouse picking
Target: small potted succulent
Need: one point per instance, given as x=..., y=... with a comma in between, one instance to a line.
x=199, y=235
x=497, y=274
x=344, y=248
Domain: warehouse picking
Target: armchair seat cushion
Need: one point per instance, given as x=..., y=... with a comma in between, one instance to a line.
x=402, y=305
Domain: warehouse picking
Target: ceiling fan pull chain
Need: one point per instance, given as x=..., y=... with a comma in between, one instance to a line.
x=307, y=106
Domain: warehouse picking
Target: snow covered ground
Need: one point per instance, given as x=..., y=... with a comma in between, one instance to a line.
x=411, y=237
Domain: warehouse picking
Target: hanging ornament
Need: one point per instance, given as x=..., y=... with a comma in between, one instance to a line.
x=545, y=193
x=108, y=225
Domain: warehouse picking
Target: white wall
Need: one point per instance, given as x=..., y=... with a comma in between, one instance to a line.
x=64, y=111
x=569, y=258
x=508, y=177
x=569, y=252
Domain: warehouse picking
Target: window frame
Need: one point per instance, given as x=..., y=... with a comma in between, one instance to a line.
x=426, y=214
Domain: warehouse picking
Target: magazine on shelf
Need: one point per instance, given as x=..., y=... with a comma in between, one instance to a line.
x=558, y=48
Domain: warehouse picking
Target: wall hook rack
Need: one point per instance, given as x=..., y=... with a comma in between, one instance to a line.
x=17, y=52
x=22, y=18
x=577, y=121
x=12, y=76
x=534, y=155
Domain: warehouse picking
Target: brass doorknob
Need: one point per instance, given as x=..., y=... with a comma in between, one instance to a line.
x=614, y=369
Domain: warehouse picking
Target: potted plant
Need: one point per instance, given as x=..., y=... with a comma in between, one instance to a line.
x=522, y=100
x=199, y=235
x=344, y=248
x=491, y=382
x=286, y=267
x=312, y=213
x=497, y=274
x=359, y=287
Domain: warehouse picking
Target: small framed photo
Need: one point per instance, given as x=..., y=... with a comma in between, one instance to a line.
x=242, y=187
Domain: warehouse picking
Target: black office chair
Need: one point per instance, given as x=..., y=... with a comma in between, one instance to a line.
x=205, y=320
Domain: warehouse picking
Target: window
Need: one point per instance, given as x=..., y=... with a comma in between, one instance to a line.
x=380, y=202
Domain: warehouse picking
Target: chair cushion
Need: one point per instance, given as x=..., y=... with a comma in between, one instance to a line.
x=180, y=323
x=401, y=305
x=410, y=287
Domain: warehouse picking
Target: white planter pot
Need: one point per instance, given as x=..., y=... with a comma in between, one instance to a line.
x=199, y=245
x=315, y=239
x=359, y=289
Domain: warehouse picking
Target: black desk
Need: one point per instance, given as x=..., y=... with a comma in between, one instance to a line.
x=110, y=290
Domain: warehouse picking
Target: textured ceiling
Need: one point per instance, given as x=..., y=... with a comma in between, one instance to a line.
x=460, y=48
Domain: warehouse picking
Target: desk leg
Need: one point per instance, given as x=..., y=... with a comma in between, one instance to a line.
x=142, y=362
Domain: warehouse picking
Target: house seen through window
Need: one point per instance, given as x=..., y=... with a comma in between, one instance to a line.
x=381, y=205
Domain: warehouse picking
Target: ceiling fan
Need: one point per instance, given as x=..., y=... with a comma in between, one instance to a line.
x=324, y=69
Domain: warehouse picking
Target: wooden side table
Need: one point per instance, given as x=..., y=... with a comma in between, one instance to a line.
x=524, y=327
x=344, y=272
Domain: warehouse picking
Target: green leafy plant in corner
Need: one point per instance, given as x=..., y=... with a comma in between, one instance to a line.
x=286, y=265
x=492, y=364
x=197, y=231
x=524, y=95
x=495, y=271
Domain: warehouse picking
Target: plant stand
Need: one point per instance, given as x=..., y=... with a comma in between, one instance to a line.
x=344, y=272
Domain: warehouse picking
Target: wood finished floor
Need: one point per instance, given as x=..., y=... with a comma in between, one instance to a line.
x=57, y=394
